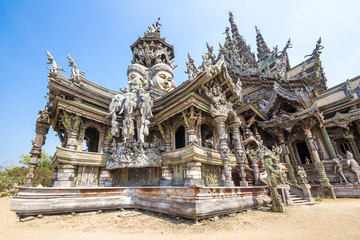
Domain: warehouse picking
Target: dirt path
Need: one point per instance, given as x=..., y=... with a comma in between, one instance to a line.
x=331, y=219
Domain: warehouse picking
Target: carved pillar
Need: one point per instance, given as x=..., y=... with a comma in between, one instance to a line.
x=192, y=121
x=351, y=139
x=286, y=154
x=166, y=176
x=327, y=189
x=292, y=156
x=327, y=141
x=71, y=124
x=42, y=128
x=167, y=140
x=71, y=142
x=239, y=154
x=223, y=148
x=193, y=174
x=166, y=136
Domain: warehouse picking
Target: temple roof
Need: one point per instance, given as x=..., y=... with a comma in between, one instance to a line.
x=279, y=93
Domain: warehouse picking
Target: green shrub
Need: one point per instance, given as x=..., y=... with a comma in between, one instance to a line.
x=318, y=198
x=5, y=194
x=17, y=175
x=6, y=182
x=42, y=176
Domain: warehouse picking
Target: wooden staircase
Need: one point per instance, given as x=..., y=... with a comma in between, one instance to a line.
x=299, y=200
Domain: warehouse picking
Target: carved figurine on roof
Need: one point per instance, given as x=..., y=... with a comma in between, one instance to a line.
x=75, y=72
x=53, y=68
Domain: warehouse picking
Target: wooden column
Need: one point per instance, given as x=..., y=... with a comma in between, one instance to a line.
x=239, y=153
x=327, y=189
x=223, y=148
x=327, y=141
x=286, y=154
x=42, y=128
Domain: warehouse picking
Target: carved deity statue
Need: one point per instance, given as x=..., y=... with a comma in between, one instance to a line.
x=354, y=166
x=339, y=168
x=154, y=28
x=271, y=179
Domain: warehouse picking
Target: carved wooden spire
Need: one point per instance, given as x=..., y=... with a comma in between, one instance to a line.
x=240, y=43
x=262, y=48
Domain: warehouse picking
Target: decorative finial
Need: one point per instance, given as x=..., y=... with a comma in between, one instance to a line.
x=75, y=72
x=53, y=68
x=192, y=70
x=316, y=52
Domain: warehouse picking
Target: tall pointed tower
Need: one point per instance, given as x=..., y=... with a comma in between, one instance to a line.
x=152, y=65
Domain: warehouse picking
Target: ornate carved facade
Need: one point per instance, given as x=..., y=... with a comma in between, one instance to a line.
x=216, y=129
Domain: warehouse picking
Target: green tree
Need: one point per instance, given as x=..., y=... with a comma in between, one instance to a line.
x=42, y=173
x=43, y=162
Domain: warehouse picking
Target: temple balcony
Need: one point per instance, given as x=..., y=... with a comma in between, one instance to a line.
x=74, y=157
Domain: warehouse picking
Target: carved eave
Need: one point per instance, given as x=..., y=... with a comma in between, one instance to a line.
x=80, y=109
x=86, y=91
x=289, y=120
x=342, y=119
x=279, y=95
x=192, y=99
x=250, y=107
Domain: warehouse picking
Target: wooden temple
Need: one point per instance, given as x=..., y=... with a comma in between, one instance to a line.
x=198, y=149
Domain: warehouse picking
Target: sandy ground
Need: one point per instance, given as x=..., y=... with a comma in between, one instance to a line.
x=331, y=219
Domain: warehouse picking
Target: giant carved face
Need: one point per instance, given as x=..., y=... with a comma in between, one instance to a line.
x=163, y=81
x=137, y=76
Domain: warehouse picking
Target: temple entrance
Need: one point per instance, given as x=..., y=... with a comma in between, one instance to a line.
x=91, y=140
x=180, y=137
x=303, y=152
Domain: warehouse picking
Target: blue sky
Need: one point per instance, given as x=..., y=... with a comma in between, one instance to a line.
x=98, y=34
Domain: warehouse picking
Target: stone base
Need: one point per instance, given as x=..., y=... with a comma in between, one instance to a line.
x=194, y=182
x=189, y=202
